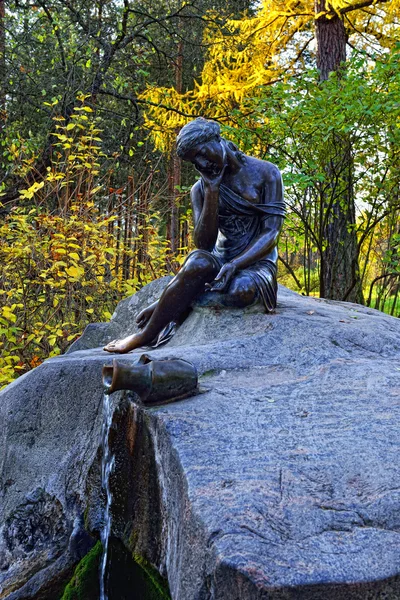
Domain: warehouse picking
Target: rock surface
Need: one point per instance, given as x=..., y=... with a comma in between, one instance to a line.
x=280, y=480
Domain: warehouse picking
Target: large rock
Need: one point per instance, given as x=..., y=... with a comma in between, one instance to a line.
x=123, y=321
x=280, y=480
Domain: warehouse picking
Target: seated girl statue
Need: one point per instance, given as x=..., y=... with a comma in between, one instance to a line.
x=238, y=211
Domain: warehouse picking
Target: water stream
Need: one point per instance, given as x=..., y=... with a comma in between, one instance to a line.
x=107, y=465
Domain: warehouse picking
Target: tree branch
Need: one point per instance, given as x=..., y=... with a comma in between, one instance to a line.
x=293, y=274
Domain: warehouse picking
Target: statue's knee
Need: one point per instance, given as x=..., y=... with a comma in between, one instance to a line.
x=199, y=263
x=243, y=292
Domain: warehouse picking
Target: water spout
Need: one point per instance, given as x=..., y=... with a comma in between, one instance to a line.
x=154, y=381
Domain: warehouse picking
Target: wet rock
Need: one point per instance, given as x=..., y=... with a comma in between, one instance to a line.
x=279, y=480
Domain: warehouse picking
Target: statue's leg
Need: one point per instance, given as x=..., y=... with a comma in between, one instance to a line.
x=199, y=268
x=144, y=316
x=242, y=292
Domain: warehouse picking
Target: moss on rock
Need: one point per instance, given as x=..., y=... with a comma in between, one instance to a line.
x=158, y=584
x=84, y=584
x=131, y=577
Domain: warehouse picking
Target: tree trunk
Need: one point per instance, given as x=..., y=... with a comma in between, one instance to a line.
x=174, y=167
x=340, y=276
x=174, y=182
x=331, y=42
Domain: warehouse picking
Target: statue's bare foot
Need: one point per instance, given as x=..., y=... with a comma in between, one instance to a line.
x=126, y=344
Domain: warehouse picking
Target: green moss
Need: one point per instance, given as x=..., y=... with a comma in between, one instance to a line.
x=159, y=584
x=84, y=584
x=86, y=519
x=130, y=577
x=133, y=538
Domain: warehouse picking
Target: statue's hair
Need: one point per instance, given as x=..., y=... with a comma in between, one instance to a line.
x=201, y=131
x=196, y=132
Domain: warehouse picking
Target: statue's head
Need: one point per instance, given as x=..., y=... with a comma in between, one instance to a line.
x=199, y=131
x=200, y=142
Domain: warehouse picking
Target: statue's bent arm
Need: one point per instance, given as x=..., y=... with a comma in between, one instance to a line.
x=261, y=245
x=205, y=216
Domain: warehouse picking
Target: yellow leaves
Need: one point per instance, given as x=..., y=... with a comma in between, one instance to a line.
x=30, y=192
x=51, y=104
x=75, y=272
x=61, y=136
x=91, y=258
x=54, y=176
x=11, y=359
x=82, y=97
x=248, y=54
x=96, y=189
x=51, y=340
x=8, y=314
x=61, y=270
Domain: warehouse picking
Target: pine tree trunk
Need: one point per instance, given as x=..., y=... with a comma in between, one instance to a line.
x=331, y=42
x=340, y=276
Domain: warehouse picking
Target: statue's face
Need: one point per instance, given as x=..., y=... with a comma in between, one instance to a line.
x=208, y=157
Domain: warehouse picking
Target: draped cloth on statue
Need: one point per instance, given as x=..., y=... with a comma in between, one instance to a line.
x=240, y=222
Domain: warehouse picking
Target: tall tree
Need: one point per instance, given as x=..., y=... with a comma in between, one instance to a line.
x=254, y=52
x=339, y=274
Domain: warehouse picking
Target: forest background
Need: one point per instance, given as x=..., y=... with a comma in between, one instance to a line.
x=94, y=201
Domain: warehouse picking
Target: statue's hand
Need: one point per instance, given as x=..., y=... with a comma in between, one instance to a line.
x=223, y=279
x=144, y=316
x=212, y=180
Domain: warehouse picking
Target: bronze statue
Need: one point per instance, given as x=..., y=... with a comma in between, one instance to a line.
x=238, y=211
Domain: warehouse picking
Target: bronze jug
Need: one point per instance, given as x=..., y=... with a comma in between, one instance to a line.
x=154, y=381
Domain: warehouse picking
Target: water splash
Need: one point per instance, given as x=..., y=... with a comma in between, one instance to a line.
x=107, y=465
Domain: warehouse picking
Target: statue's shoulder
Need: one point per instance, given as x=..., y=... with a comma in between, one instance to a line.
x=266, y=170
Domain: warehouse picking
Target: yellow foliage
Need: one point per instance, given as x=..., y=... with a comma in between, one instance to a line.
x=62, y=269
x=46, y=302
x=256, y=51
x=30, y=192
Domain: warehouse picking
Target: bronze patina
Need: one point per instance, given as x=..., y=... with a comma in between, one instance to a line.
x=154, y=381
x=238, y=211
